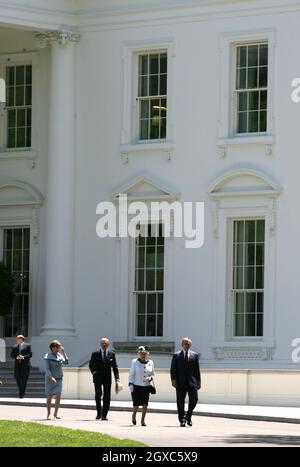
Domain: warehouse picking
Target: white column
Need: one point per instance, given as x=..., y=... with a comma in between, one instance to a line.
x=60, y=190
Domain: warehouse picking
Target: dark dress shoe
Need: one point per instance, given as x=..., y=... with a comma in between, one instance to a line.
x=143, y=424
x=133, y=421
x=98, y=417
x=182, y=423
x=104, y=419
x=189, y=422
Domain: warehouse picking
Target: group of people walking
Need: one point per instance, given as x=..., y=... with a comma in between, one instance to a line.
x=184, y=372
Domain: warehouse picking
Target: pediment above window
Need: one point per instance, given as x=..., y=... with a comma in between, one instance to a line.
x=15, y=193
x=244, y=182
x=145, y=189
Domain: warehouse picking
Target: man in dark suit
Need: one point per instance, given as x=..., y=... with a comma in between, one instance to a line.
x=21, y=353
x=101, y=364
x=186, y=378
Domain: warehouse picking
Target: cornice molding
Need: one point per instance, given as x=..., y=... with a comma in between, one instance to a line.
x=61, y=38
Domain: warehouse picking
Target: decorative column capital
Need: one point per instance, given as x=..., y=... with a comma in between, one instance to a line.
x=61, y=38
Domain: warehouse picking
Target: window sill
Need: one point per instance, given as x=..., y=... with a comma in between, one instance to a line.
x=263, y=140
x=161, y=148
x=29, y=155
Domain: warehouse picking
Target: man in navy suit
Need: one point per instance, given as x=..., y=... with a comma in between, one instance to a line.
x=186, y=379
x=101, y=364
x=21, y=353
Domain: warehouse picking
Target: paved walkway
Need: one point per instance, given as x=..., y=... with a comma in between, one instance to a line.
x=162, y=429
x=245, y=412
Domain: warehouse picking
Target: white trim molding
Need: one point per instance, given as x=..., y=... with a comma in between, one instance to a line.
x=242, y=194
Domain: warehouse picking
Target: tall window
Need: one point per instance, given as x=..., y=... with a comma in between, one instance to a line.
x=152, y=96
x=149, y=281
x=251, y=88
x=248, y=277
x=16, y=245
x=18, y=104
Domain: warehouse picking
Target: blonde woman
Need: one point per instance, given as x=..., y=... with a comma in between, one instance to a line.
x=54, y=361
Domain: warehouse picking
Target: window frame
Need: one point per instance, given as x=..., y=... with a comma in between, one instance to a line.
x=227, y=116
x=26, y=58
x=136, y=292
x=129, y=135
x=231, y=327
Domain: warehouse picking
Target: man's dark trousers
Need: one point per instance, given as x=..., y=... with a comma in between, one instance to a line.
x=181, y=393
x=21, y=374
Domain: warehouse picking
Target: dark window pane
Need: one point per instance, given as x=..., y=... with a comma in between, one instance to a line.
x=143, y=86
x=253, y=122
x=253, y=55
x=141, y=257
x=28, y=98
x=163, y=85
x=260, y=302
x=25, y=283
x=144, y=109
x=141, y=303
x=10, y=76
x=239, y=256
x=252, y=78
x=253, y=100
x=8, y=239
x=150, y=257
x=141, y=280
x=21, y=138
x=151, y=326
x=20, y=75
x=11, y=116
x=263, y=100
x=163, y=63
x=239, y=325
x=10, y=96
x=263, y=121
x=250, y=324
x=260, y=250
x=240, y=302
x=29, y=74
x=144, y=129
x=151, y=304
x=160, y=257
x=17, y=236
x=143, y=65
x=260, y=320
x=29, y=117
x=250, y=302
x=249, y=254
x=17, y=260
x=249, y=277
x=260, y=231
x=159, y=325
x=263, y=77
x=241, y=78
x=241, y=56
x=160, y=303
x=240, y=231
x=21, y=117
x=153, y=64
x=250, y=231
x=160, y=280
x=150, y=279
x=11, y=138
x=153, y=85
x=242, y=122
x=263, y=54
x=239, y=278
x=242, y=101
x=20, y=97
x=141, y=325
x=28, y=137
x=260, y=277
x=163, y=128
x=154, y=128
x=26, y=260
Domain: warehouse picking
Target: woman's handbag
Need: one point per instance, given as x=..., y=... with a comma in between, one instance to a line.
x=152, y=388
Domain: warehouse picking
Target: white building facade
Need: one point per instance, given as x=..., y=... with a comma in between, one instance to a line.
x=186, y=101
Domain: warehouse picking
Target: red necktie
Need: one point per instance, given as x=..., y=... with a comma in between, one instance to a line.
x=186, y=360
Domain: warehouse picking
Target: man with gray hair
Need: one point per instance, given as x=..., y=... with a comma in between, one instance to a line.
x=186, y=379
x=21, y=353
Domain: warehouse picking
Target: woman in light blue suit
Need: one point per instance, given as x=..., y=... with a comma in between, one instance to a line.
x=54, y=361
